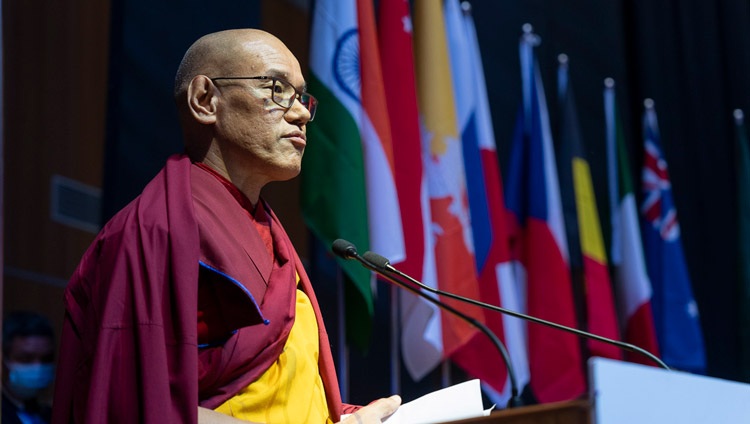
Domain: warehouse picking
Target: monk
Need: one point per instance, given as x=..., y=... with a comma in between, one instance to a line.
x=191, y=305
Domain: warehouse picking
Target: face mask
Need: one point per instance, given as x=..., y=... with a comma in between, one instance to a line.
x=27, y=380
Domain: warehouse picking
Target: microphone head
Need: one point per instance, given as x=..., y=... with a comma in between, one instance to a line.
x=345, y=249
x=376, y=259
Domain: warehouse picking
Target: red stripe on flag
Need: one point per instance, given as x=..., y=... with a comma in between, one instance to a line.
x=639, y=331
x=602, y=320
x=554, y=355
x=401, y=99
x=456, y=273
x=480, y=357
x=371, y=78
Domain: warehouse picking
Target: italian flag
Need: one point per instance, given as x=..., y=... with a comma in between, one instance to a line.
x=348, y=188
x=632, y=284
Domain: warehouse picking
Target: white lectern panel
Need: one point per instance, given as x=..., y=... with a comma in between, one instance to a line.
x=626, y=393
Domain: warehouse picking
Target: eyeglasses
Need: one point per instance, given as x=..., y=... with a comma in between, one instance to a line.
x=283, y=93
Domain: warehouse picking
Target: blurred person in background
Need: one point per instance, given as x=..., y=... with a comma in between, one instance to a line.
x=28, y=367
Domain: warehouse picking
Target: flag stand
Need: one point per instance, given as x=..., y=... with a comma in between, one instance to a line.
x=343, y=348
x=395, y=338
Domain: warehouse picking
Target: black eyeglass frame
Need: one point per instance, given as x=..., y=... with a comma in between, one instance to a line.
x=306, y=99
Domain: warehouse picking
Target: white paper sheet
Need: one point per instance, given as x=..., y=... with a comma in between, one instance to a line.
x=461, y=401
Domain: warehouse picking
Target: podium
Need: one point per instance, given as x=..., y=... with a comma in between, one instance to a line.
x=627, y=393
x=571, y=412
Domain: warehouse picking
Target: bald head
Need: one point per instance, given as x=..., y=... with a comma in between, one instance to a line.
x=231, y=53
x=223, y=53
x=226, y=90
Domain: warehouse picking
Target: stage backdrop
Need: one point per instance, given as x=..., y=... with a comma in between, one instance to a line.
x=691, y=57
x=147, y=42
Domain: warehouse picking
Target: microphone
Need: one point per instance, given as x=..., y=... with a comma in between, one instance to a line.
x=344, y=248
x=347, y=250
x=385, y=264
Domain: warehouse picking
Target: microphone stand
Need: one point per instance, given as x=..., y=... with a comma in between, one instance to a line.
x=347, y=250
x=381, y=262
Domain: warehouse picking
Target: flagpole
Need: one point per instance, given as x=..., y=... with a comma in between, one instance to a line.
x=529, y=40
x=612, y=168
x=343, y=348
x=445, y=373
x=562, y=75
x=2, y=171
x=395, y=338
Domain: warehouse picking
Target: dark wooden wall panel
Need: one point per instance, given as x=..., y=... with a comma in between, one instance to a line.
x=55, y=67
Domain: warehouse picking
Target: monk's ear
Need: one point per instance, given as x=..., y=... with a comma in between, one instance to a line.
x=203, y=99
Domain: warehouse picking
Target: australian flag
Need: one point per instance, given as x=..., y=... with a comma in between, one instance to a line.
x=675, y=311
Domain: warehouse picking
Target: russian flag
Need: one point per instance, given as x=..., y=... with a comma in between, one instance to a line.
x=497, y=286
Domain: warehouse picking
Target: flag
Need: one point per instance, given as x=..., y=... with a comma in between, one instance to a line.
x=419, y=353
x=487, y=209
x=450, y=230
x=632, y=284
x=348, y=185
x=538, y=242
x=743, y=240
x=384, y=214
x=588, y=260
x=675, y=311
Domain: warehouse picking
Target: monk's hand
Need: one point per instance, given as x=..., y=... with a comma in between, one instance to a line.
x=375, y=412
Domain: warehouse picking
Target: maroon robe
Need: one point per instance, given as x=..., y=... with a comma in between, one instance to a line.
x=129, y=347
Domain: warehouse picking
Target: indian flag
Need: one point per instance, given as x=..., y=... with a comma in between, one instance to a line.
x=348, y=186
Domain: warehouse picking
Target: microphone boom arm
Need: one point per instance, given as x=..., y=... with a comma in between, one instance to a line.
x=386, y=273
x=385, y=264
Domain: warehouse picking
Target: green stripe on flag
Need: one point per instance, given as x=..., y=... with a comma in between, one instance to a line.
x=334, y=202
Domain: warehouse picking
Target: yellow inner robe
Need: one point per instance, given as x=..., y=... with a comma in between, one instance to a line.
x=291, y=390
